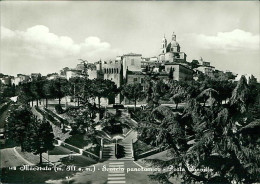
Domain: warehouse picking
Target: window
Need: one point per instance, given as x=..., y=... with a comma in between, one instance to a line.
x=132, y=62
x=142, y=80
x=135, y=79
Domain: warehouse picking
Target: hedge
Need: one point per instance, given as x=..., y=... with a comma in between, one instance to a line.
x=48, y=116
x=56, y=116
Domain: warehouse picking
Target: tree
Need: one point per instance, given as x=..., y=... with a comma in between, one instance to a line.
x=59, y=88
x=221, y=138
x=25, y=93
x=209, y=95
x=254, y=98
x=177, y=92
x=40, y=138
x=18, y=124
x=102, y=88
x=194, y=64
x=155, y=89
x=83, y=117
x=47, y=91
x=36, y=87
x=240, y=95
x=171, y=74
x=133, y=92
x=75, y=88
x=178, y=98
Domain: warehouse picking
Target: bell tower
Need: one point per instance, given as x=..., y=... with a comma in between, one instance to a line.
x=163, y=45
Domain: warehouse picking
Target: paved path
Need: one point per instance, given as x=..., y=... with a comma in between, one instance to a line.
x=10, y=157
x=107, y=176
x=131, y=136
x=116, y=174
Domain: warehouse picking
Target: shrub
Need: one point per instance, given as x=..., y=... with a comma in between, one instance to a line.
x=59, y=109
x=48, y=116
x=62, y=121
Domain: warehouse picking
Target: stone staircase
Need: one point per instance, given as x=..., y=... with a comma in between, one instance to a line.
x=108, y=152
x=128, y=151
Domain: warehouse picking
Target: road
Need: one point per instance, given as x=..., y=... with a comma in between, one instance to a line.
x=105, y=173
x=9, y=157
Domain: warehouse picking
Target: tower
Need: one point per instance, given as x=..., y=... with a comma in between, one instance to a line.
x=173, y=36
x=164, y=45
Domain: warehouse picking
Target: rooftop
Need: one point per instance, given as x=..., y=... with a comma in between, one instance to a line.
x=132, y=54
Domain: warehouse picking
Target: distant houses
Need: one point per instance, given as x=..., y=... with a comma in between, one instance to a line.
x=132, y=68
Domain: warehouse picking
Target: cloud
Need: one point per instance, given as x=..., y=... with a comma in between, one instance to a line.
x=38, y=45
x=38, y=40
x=235, y=40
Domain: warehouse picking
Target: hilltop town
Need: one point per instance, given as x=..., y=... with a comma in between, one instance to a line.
x=130, y=68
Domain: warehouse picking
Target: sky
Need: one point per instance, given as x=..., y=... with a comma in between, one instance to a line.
x=48, y=36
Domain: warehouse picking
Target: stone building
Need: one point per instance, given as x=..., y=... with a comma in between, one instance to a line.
x=131, y=62
x=180, y=72
x=34, y=76
x=6, y=80
x=20, y=79
x=207, y=70
x=113, y=70
x=72, y=73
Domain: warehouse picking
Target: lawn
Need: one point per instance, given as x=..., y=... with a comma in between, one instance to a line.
x=17, y=176
x=35, y=159
x=59, y=150
x=141, y=147
x=78, y=140
x=79, y=160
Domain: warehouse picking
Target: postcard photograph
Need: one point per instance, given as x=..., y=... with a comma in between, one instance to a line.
x=130, y=92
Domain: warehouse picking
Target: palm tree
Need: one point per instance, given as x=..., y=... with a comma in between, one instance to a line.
x=209, y=94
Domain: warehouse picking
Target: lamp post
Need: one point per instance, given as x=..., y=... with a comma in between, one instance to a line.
x=116, y=148
x=48, y=156
x=70, y=155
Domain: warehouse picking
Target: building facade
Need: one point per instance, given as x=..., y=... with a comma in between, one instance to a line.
x=131, y=62
x=180, y=72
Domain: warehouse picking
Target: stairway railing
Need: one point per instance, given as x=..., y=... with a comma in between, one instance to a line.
x=101, y=148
